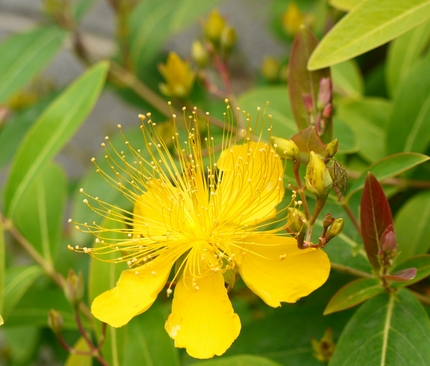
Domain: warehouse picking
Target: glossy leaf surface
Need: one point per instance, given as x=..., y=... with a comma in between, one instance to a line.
x=367, y=26
x=18, y=280
x=412, y=224
x=354, y=293
x=46, y=202
x=409, y=122
x=403, y=54
x=422, y=265
x=389, y=167
x=26, y=54
x=148, y=341
x=386, y=330
x=51, y=132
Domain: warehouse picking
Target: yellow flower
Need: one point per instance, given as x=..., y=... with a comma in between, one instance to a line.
x=209, y=217
x=178, y=75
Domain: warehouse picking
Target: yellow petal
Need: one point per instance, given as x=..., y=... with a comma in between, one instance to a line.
x=251, y=183
x=153, y=210
x=203, y=320
x=134, y=293
x=277, y=271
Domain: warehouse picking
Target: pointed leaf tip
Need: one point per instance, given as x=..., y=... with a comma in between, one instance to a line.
x=402, y=276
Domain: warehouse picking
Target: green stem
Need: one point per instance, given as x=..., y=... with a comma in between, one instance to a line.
x=26, y=245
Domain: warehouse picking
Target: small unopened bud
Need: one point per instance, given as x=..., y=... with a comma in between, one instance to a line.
x=325, y=93
x=327, y=111
x=324, y=349
x=270, y=69
x=297, y=223
x=55, y=321
x=332, y=148
x=74, y=287
x=214, y=27
x=286, y=149
x=178, y=76
x=292, y=19
x=228, y=38
x=328, y=220
x=230, y=278
x=200, y=54
x=334, y=230
x=318, y=179
x=388, y=241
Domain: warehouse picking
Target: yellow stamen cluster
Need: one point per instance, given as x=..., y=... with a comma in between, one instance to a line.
x=188, y=204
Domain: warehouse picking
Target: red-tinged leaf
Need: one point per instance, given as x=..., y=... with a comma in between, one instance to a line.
x=308, y=140
x=402, y=276
x=304, y=83
x=375, y=215
x=354, y=293
x=420, y=262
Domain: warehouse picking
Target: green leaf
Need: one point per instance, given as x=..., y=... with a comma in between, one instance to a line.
x=375, y=218
x=81, y=7
x=302, y=82
x=387, y=330
x=153, y=22
x=21, y=344
x=354, y=293
x=18, y=280
x=148, y=341
x=78, y=359
x=46, y=202
x=26, y=54
x=240, y=360
x=347, y=141
x=51, y=132
x=282, y=118
x=367, y=26
x=347, y=80
x=420, y=262
x=409, y=122
x=403, y=54
x=367, y=118
x=103, y=277
x=2, y=266
x=388, y=167
x=17, y=126
x=34, y=306
x=412, y=224
x=344, y=5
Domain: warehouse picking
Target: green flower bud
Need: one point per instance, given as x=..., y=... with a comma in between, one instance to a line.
x=318, y=179
x=286, y=149
x=55, y=321
x=74, y=287
x=332, y=148
x=334, y=230
x=297, y=223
